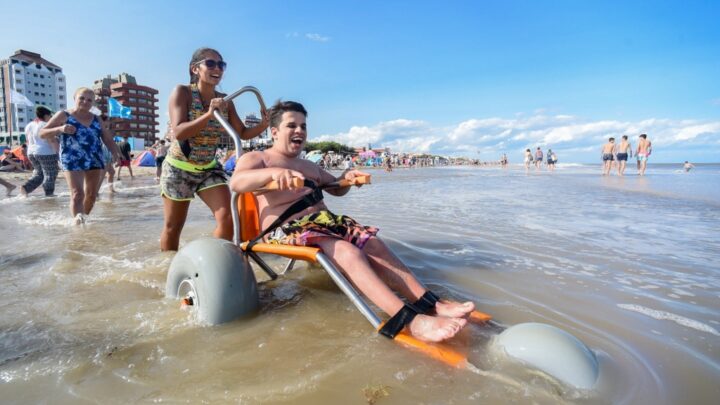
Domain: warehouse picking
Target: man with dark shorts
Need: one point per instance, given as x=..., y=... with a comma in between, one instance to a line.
x=124, y=161
x=607, y=155
x=621, y=151
x=160, y=153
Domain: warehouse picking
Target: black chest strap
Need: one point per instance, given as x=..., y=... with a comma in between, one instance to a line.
x=307, y=201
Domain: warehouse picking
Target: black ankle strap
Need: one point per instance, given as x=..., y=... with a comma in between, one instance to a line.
x=427, y=302
x=398, y=321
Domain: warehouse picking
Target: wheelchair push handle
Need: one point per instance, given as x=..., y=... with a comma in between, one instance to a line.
x=230, y=130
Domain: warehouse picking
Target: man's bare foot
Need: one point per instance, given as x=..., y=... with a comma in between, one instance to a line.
x=10, y=189
x=23, y=192
x=435, y=328
x=451, y=309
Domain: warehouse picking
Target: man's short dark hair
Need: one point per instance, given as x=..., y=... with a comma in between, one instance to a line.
x=282, y=107
x=611, y=140
x=42, y=111
x=625, y=137
x=643, y=136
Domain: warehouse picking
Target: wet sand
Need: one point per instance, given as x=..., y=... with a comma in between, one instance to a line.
x=629, y=266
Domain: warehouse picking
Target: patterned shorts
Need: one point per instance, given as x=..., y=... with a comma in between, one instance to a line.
x=181, y=185
x=307, y=230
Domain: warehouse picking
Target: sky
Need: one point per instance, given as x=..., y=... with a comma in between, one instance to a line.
x=456, y=78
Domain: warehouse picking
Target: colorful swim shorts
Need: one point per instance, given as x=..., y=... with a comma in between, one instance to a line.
x=307, y=230
x=181, y=185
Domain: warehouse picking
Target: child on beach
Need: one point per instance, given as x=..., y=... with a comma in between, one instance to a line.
x=190, y=167
x=353, y=248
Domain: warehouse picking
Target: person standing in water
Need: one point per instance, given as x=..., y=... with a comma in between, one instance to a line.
x=125, y=159
x=81, y=134
x=160, y=152
x=43, y=154
x=622, y=151
x=190, y=166
x=107, y=157
x=551, y=159
x=643, y=152
x=688, y=166
x=607, y=155
x=538, y=158
x=527, y=159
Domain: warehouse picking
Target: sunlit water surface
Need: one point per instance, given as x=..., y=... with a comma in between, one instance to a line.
x=628, y=265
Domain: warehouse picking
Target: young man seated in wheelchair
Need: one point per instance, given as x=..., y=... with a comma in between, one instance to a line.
x=354, y=249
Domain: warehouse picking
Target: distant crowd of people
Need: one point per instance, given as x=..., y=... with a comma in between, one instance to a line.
x=537, y=159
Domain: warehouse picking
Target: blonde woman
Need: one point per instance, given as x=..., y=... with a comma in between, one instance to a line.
x=81, y=135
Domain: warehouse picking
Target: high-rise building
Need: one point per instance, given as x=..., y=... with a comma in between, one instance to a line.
x=38, y=79
x=260, y=142
x=141, y=99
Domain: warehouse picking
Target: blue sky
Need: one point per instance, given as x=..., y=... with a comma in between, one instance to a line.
x=463, y=78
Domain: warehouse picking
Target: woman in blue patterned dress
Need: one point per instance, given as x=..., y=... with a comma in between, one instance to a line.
x=81, y=134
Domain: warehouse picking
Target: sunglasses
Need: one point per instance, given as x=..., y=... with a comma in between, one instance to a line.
x=212, y=64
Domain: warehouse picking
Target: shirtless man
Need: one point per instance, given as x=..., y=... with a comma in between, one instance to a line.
x=607, y=155
x=362, y=257
x=643, y=152
x=538, y=158
x=621, y=151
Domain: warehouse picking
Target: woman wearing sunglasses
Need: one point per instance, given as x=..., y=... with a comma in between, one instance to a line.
x=81, y=134
x=190, y=167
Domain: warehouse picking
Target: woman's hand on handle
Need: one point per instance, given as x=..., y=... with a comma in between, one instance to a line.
x=217, y=104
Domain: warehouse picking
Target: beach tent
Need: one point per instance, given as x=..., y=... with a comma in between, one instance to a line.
x=147, y=158
x=229, y=165
x=314, y=156
x=19, y=153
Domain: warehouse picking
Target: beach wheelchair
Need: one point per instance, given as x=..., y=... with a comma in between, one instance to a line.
x=216, y=279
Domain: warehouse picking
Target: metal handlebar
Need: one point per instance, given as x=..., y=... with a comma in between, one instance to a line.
x=234, y=135
x=238, y=151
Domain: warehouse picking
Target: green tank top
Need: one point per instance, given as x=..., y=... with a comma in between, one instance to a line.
x=197, y=153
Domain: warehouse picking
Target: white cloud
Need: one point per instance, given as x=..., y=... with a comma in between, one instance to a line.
x=316, y=37
x=559, y=132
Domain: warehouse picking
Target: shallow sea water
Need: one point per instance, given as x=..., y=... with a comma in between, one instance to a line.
x=628, y=265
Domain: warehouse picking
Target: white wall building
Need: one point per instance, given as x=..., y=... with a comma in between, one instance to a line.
x=36, y=78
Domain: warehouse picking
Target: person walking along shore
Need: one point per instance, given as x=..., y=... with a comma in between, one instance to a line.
x=643, y=152
x=43, y=154
x=622, y=151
